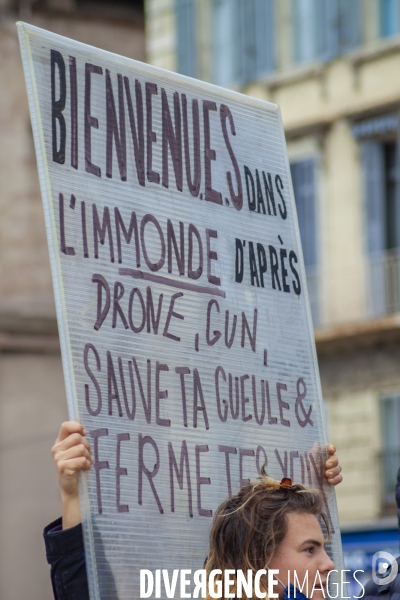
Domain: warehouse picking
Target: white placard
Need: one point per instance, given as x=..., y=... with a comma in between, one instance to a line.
x=180, y=288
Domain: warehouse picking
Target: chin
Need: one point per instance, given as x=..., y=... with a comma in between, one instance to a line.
x=319, y=594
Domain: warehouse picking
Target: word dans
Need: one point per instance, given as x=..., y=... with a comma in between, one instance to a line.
x=264, y=202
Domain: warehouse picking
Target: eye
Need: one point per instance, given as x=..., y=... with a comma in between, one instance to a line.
x=310, y=549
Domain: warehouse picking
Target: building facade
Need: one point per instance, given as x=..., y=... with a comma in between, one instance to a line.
x=333, y=67
x=32, y=396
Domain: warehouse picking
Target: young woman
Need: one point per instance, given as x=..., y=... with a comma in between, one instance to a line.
x=266, y=525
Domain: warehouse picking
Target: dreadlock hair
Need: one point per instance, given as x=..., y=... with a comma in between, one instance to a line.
x=248, y=528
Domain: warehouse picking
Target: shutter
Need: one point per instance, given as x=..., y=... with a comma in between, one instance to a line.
x=327, y=28
x=297, y=31
x=264, y=37
x=239, y=37
x=374, y=195
x=374, y=201
x=386, y=21
x=249, y=36
x=186, y=37
x=390, y=422
x=223, y=54
x=304, y=191
x=304, y=30
x=249, y=41
x=396, y=15
x=397, y=202
x=338, y=26
x=349, y=24
x=303, y=178
x=389, y=17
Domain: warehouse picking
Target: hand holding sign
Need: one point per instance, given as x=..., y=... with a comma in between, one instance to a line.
x=71, y=453
x=333, y=468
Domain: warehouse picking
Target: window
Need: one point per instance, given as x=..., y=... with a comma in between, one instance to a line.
x=389, y=17
x=390, y=427
x=128, y=3
x=243, y=40
x=304, y=37
x=304, y=191
x=324, y=29
x=381, y=190
x=303, y=178
x=224, y=53
x=126, y=10
x=186, y=37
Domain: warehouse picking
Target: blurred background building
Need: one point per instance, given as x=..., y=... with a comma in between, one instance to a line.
x=333, y=66
x=32, y=396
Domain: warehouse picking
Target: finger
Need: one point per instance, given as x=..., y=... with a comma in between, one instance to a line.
x=74, y=452
x=335, y=480
x=333, y=472
x=71, y=467
x=332, y=461
x=331, y=449
x=69, y=427
x=73, y=439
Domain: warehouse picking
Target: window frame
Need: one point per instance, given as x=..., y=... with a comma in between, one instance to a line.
x=389, y=454
x=186, y=37
x=330, y=21
x=250, y=51
x=312, y=268
x=392, y=16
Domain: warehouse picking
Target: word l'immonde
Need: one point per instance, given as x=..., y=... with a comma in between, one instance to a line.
x=236, y=584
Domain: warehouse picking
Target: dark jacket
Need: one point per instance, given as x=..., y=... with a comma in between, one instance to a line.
x=66, y=556
x=391, y=591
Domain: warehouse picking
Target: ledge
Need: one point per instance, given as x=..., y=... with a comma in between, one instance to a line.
x=316, y=69
x=315, y=128
x=28, y=335
x=39, y=335
x=385, y=523
x=28, y=344
x=295, y=74
x=380, y=48
x=358, y=336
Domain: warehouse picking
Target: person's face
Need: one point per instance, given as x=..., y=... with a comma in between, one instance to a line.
x=301, y=550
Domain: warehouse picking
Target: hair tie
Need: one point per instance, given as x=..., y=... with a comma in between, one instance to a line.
x=286, y=483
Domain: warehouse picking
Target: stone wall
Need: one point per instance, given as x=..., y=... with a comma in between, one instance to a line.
x=32, y=395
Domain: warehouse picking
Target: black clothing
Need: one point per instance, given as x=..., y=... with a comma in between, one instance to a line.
x=383, y=592
x=390, y=591
x=66, y=555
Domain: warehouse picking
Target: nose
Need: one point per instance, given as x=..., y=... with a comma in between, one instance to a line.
x=327, y=563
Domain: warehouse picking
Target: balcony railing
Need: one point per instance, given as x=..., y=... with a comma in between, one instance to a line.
x=390, y=463
x=384, y=284
x=367, y=289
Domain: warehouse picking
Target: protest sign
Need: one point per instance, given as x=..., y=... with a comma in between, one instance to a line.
x=185, y=329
